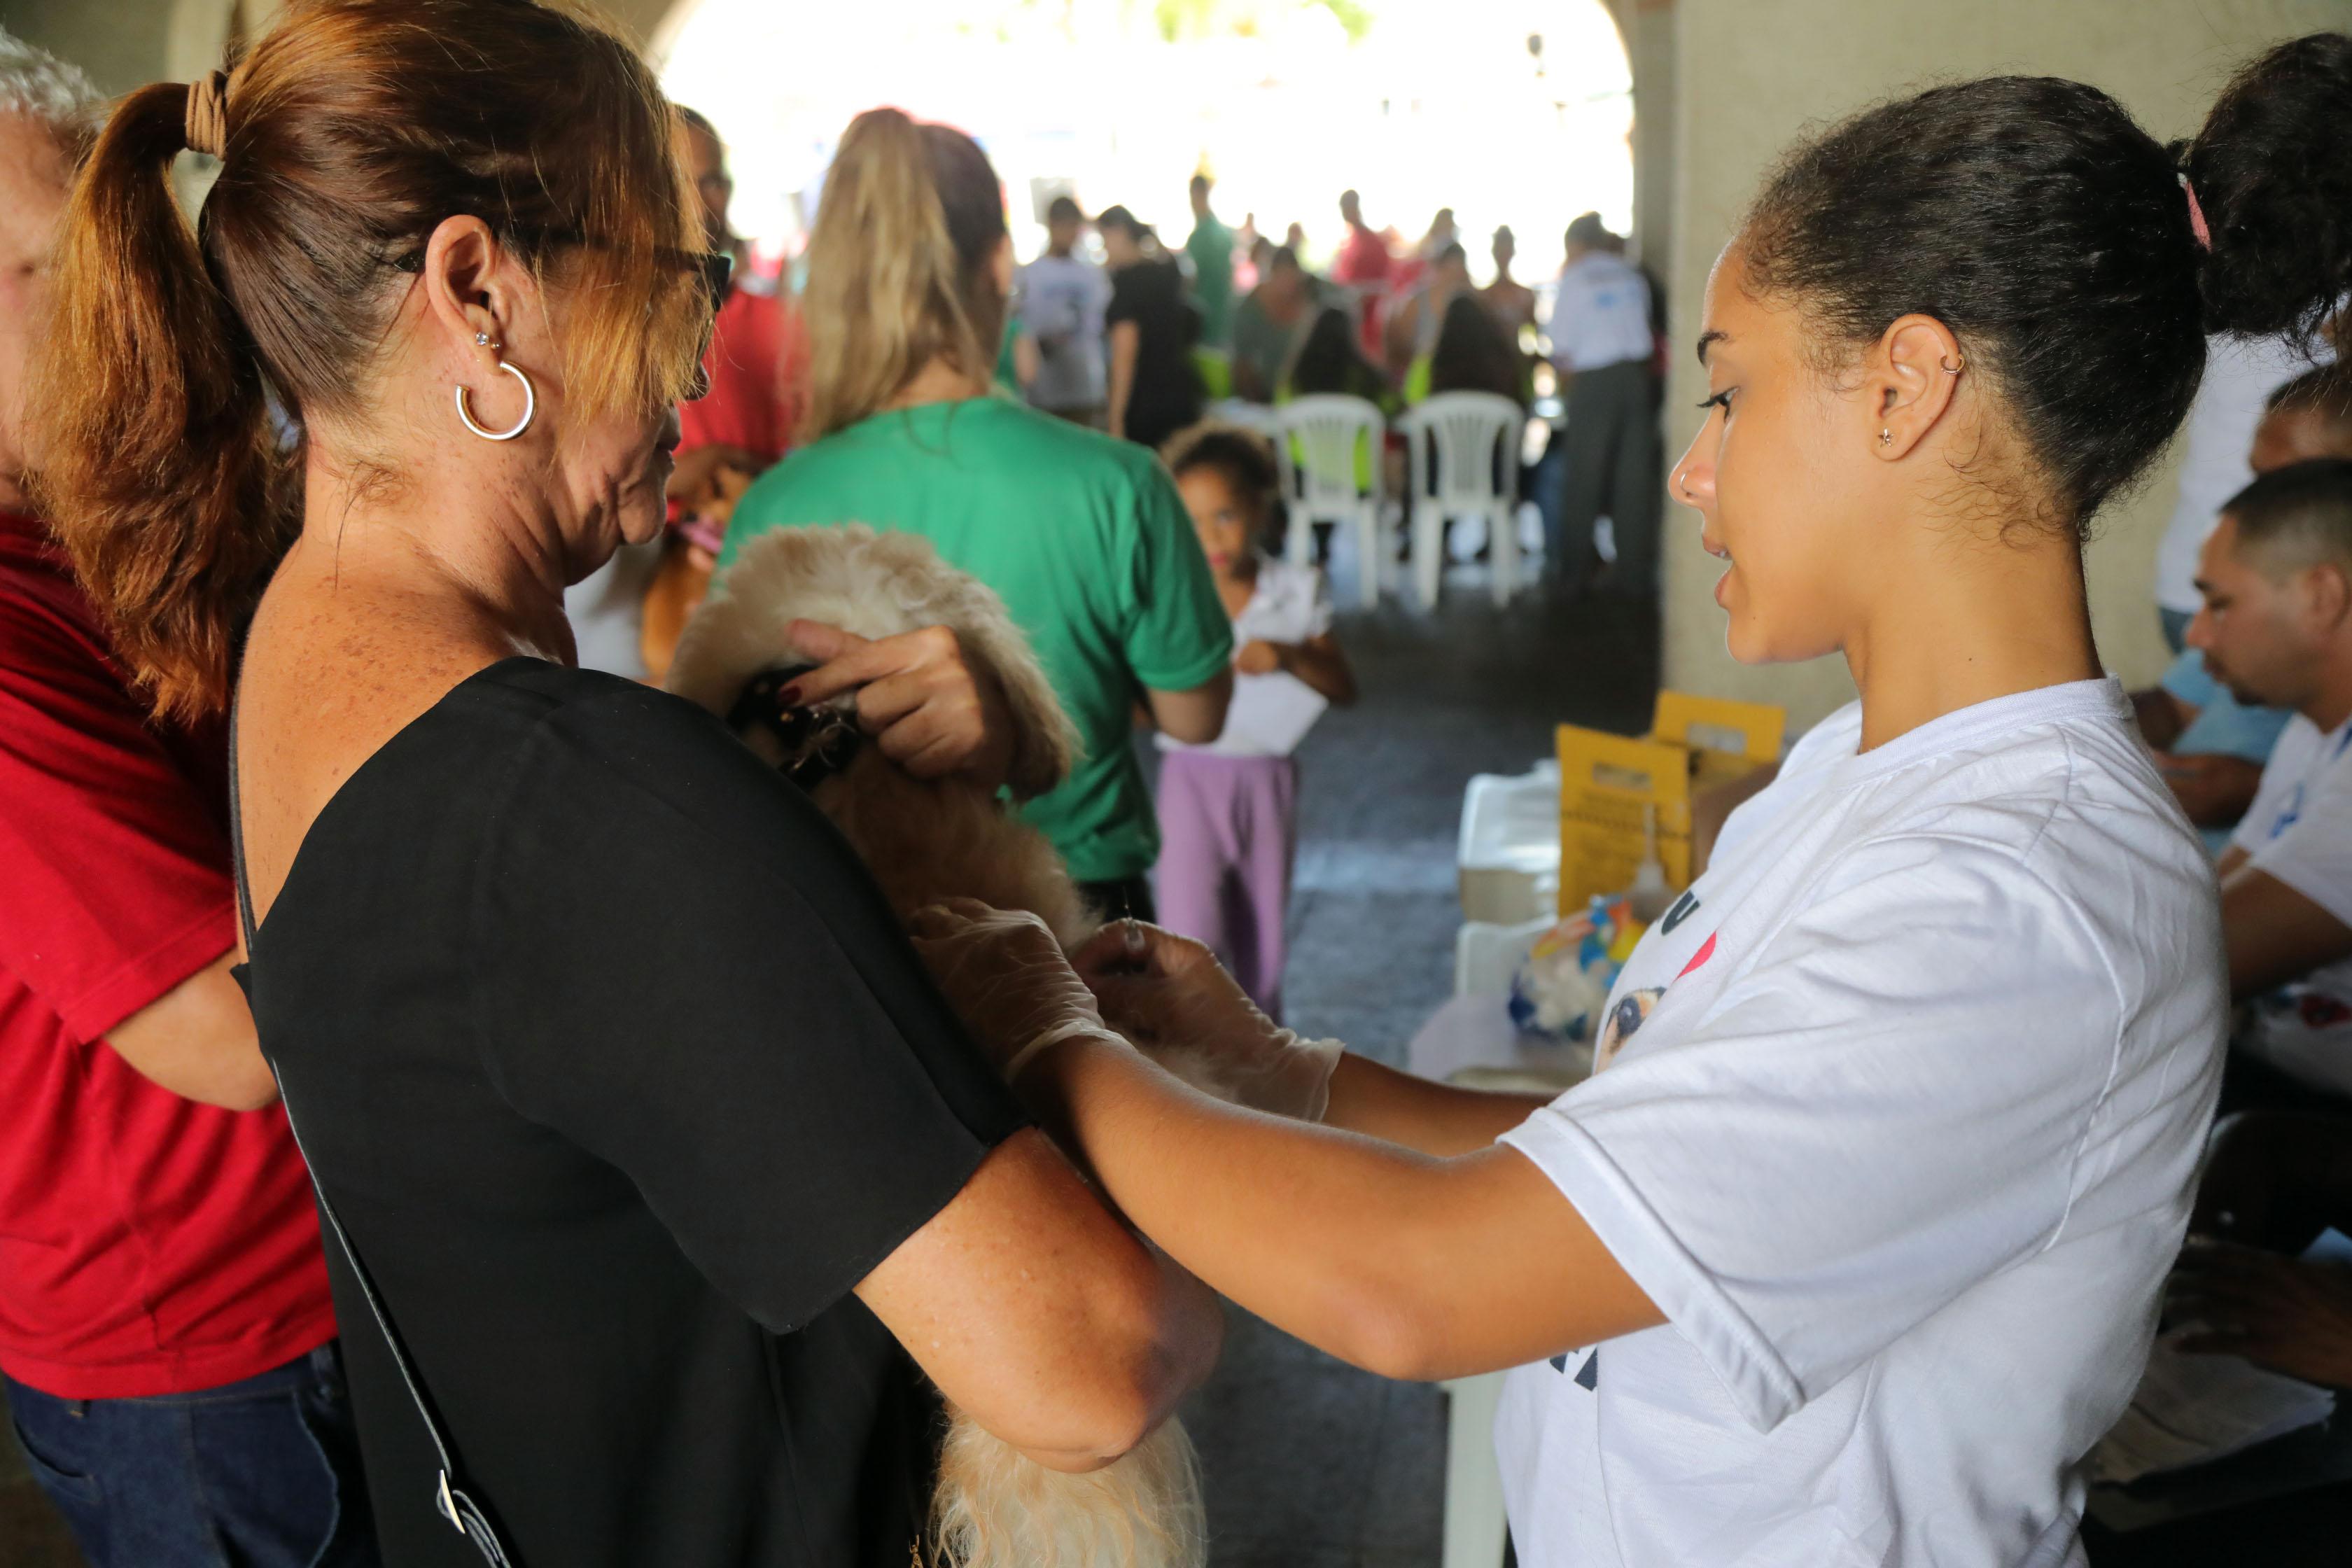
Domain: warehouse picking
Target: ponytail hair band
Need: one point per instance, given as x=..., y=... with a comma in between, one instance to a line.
x=206, y=124
x=2196, y=213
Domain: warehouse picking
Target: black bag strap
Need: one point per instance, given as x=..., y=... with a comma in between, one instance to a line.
x=450, y=1499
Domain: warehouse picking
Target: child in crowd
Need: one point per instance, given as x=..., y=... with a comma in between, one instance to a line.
x=1229, y=809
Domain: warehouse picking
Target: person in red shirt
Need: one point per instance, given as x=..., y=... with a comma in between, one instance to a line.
x=166, y=1336
x=627, y=617
x=758, y=358
x=1364, y=264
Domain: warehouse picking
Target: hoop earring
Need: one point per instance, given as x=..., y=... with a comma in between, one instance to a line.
x=1953, y=369
x=530, y=407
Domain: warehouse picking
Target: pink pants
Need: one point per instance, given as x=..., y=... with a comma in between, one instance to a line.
x=1229, y=831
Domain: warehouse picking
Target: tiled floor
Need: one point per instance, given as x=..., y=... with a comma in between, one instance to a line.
x=1309, y=1463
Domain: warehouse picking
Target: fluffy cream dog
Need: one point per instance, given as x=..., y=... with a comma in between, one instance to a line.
x=927, y=840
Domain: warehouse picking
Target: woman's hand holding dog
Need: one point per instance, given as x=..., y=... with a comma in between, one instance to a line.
x=1169, y=994
x=932, y=711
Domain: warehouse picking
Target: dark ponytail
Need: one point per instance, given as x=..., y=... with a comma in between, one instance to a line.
x=2272, y=171
x=156, y=454
x=2053, y=235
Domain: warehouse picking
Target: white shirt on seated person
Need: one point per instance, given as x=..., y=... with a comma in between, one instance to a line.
x=1895, y=1121
x=2299, y=832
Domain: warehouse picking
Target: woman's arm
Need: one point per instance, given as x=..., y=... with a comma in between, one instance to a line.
x=197, y=1040
x=1044, y=1320
x=1125, y=343
x=1416, y=1113
x=1405, y=1264
x=1408, y=1265
x=1319, y=662
x=1195, y=717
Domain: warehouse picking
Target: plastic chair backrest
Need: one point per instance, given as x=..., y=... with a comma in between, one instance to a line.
x=1326, y=431
x=1215, y=369
x=1463, y=427
x=1244, y=414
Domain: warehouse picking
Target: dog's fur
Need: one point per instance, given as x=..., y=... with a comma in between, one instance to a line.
x=926, y=841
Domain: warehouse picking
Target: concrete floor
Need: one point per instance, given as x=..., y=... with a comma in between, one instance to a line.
x=1310, y=1464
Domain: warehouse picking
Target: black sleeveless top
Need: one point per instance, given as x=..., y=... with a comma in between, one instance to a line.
x=621, y=1075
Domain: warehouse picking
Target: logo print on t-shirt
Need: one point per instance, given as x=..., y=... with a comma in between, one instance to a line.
x=1623, y=1021
x=1705, y=951
x=1684, y=907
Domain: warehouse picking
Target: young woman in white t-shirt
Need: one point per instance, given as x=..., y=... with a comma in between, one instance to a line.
x=1228, y=807
x=1854, y=1248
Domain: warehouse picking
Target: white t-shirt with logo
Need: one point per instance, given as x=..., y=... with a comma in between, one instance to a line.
x=1901, y=1109
x=2299, y=830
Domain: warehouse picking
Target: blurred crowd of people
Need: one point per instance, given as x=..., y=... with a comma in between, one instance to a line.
x=1140, y=340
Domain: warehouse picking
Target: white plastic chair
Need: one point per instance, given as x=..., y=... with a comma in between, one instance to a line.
x=1464, y=430
x=1320, y=479
x=1242, y=414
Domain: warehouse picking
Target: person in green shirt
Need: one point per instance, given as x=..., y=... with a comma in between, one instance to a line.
x=1085, y=538
x=1211, y=248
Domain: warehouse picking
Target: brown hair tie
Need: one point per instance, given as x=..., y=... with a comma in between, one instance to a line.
x=206, y=124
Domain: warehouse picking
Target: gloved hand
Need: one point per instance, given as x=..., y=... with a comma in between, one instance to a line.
x=1005, y=976
x=1170, y=995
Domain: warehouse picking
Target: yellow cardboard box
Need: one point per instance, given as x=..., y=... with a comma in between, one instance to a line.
x=1607, y=783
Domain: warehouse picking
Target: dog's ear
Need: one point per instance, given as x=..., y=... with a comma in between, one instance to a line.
x=931, y=592
x=1045, y=742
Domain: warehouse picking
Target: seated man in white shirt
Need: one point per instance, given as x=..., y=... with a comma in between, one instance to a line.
x=2277, y=629
x=2214, y=747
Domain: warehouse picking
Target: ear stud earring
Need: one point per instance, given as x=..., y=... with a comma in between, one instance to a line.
x=1886, y=437
x=483, y=339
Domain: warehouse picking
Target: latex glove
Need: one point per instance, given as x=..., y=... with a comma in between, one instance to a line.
x=1007, y=978
x=1170, y=995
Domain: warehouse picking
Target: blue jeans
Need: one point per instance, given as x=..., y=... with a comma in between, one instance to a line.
x=265, y=1472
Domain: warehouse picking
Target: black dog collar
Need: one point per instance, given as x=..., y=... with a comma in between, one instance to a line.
x=817, y=742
